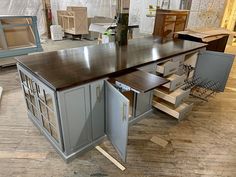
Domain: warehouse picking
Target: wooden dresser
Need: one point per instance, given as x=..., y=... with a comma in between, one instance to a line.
x=168, y=22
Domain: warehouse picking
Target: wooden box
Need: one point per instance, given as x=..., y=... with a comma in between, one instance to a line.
x=73, y=20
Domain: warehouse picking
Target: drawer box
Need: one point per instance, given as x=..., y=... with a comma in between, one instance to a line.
x=176, y=97
x=175, y=81
x=179, y=113
x=168, y=68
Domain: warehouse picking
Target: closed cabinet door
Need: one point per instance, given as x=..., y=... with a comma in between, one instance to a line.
x=214, y=67
x=75, y=112
x=29, y=90
x=97, y=109
x=117, y=119
x=48, y=111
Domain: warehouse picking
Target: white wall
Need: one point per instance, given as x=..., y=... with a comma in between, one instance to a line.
x=206, y=13
x=139, y=10
x=94, y=7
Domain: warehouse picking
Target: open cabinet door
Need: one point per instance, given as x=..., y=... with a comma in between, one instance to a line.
x=117, y=119
x=214, y=66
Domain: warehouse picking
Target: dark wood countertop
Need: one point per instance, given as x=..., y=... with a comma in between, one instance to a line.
x=73, y=67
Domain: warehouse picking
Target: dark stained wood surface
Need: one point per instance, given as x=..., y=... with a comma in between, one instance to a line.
x=73, y=67
x=141, y=81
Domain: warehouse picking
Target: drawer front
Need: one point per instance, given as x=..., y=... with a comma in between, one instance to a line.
x=184, y=112
x=179, y=58
x=178, y=113
x=149, y=68
x=168, y=68
x=176, y=83
x=170, y=18
x=174, y=98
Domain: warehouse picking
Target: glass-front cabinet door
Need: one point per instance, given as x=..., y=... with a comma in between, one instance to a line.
x=41, y=105
x=28, y=86
x=48, y=112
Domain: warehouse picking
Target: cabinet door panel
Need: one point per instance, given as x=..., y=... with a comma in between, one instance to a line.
x=28, y=87
x=76, y=118
x=97, y=109
x=48, y=110
x=214, y=66
x=143, y=103
x=117, y=119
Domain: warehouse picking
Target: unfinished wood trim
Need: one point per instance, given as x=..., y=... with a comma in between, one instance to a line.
x=231, y=88
x=109, y=157
x=161, y=142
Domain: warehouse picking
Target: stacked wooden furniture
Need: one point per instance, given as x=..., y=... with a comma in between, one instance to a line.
x=168, y=22
x=18, y=35
x=170, y=97
x=73, y=20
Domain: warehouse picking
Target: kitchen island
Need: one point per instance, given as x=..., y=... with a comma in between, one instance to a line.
x=78, y=96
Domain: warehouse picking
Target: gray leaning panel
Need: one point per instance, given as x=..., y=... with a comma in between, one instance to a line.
x=214, y=66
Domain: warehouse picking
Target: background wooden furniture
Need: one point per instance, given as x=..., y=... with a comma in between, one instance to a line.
x=18, y=35
x=168, y=22
x=73, y=20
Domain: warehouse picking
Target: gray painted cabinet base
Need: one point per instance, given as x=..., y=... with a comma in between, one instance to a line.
x=84, y=114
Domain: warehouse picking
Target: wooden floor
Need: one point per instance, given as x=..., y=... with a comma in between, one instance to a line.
x=203, y=144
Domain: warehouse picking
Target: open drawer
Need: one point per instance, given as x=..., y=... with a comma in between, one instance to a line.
x=120, y=105
x=168, y=68
x=180, y=112
x=175, y=81
x=176, y=97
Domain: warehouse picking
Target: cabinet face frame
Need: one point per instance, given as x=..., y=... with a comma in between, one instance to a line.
x=39, y=122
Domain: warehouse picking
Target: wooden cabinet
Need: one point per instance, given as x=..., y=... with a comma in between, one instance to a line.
x=18, y=35
x=74, y=20
x=168, y=22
